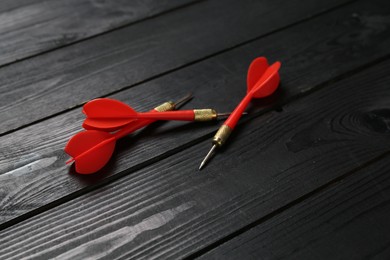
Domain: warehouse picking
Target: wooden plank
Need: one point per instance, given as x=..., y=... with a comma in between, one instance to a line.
x=348, y=220
x=8, y=5
x=168, y=210
x=30, y=27
x=37, y=151
x=50, y=83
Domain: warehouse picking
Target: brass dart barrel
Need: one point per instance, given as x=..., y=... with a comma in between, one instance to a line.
x=170, y=105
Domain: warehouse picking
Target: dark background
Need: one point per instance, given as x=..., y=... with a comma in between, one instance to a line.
x=304, y=176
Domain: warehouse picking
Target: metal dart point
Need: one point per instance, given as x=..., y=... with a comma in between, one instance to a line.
x=226, y=115
x=218, y=140
x=208, y=156
x=184, y=100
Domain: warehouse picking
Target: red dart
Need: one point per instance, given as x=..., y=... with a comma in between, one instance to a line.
x=92, y=149
x=109, y=115
x=111, y=125
x=262, y=81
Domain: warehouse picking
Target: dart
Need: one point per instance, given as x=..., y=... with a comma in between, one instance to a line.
x=167, y=106
x=92, y=149
x=108, y=114
x=262, y=81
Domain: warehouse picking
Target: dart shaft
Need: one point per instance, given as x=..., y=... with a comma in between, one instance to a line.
x=183, y=115
x=238, y=111
x=137, y=124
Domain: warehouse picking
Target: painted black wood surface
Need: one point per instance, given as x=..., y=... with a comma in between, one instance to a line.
x=332, y=224
x=222, y=83
x=161, y=212
x=325, y=133
x=30, y=27
x=60, y=80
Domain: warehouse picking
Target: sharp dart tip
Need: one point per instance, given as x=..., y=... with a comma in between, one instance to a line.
x=203, y=163
x=189, y=95
x=225, y=115
x=184, y=99
x=201, y=166
x=208, y=156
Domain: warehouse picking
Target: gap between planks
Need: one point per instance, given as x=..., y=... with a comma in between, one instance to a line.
x=291, y=204
x=177, y=149
x=344, y=87
x=278, y=108
x=171, y=70
x=131, y=23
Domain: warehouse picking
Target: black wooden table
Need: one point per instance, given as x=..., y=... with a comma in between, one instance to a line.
x=304, y=176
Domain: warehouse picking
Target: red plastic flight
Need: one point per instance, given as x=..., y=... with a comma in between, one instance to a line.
x=111, y=125
x=262, y=81
x=92, y=149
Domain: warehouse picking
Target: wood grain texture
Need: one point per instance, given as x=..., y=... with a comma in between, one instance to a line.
x=50, y=83
x=348, y=220
x=169, y=210
x=30, y=27
x=32, y=161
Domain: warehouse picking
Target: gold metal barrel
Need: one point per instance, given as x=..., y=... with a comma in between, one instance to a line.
x=222, y=135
